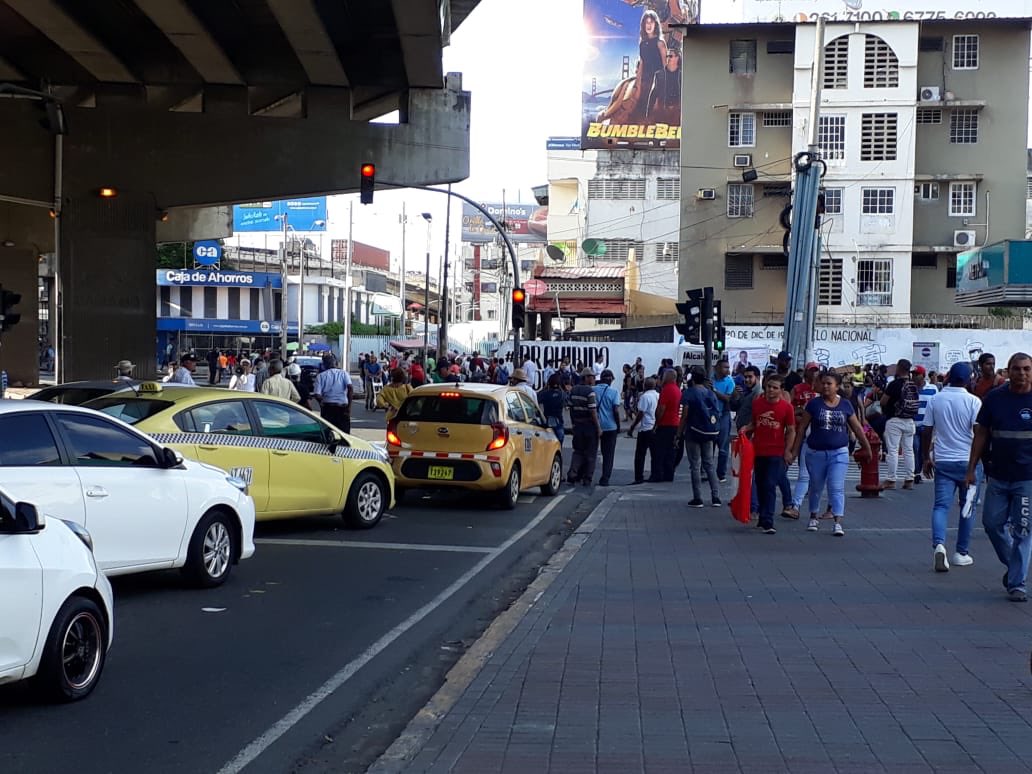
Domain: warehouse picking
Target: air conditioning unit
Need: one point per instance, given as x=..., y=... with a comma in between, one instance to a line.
x=963, y=238
x=930, y=94
x=707, y=194
x=743, y=160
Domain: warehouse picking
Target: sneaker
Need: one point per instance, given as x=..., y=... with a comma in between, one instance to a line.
x=962, y=560
x=696, y=503
x=716, y=502
x=1017, y=595
x=908, y=484
x=769, y=530
x=722, y=480
x=939, y=560
x=917, y=478
x=813, y=526
x=838, y=531
x=790, y=513
x=888, y=484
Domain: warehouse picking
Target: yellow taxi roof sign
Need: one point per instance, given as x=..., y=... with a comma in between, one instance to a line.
x=151, y=387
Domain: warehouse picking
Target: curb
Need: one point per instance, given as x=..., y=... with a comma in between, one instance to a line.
x=419, y=730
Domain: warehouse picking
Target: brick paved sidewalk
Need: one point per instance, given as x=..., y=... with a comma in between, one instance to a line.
x=677, y=640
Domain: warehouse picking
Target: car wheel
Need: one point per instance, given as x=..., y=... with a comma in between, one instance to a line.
x=366, y=502
x=555, y=477
x=212, y=549
x=75, y=650
x=511, y=493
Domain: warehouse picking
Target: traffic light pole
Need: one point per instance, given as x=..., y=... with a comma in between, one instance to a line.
x=707, y=328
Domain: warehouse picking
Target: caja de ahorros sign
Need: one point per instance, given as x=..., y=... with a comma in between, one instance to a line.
x=207, y=277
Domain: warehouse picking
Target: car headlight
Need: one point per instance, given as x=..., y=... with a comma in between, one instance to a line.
x=81, y=533
x=238, y=482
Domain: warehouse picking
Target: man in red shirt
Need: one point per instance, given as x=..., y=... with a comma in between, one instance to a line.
x=773, y=431
x=987, y=376
x=668, y=419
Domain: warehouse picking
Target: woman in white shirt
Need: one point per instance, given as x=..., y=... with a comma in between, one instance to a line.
x=243, y=381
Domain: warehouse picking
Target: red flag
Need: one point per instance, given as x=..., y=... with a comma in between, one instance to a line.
x=741, y=478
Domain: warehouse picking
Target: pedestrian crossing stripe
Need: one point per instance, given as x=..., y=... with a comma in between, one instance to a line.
x=276, y=444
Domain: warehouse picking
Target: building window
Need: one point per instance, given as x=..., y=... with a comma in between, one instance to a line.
x=668, y=188
x=836, y=63
x=620, y=250
x=772, y=118
x=930, y=43
x=743, y=57
x=831, y=136
x=878, y=136
x=878, y=201
x=492, y=314
x=780, y=46
x=951, y=277
x=607, y=322
x=881, y=66
x=832, y=201
x=667, y=252
x=965, y=52
x=739, y=200
x=741, y=130
x=616, y=188
x=927, y=192
x=829, y=282
x=874, y=282
x=234, y=303
x=929, y=115
x=924, y=261
x=773, y=262
x=964, y=126
x=776, y=189
x=738, y=272
x=962, y=199
x=1028, y=189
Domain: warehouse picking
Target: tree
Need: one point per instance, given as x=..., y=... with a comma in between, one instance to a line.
x=170, y=255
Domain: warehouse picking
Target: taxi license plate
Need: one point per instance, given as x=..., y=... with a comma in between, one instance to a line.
x=441, y=472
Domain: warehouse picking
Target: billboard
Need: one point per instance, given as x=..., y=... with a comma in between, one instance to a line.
x=307, y=214
x=526, y=222
x=882, y=10
x=631, y=93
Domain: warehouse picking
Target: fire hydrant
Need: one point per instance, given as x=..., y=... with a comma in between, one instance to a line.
x=870, y=477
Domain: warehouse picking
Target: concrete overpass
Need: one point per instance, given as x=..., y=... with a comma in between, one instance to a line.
x=181, y=104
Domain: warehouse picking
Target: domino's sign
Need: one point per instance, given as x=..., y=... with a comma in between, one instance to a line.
x=207, y=253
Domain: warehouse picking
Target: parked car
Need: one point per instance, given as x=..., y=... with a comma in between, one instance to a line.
x=77, y=393
x=56, y=609
x=146, y=507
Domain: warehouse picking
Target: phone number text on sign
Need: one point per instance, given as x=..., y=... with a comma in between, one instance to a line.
x=853, y=16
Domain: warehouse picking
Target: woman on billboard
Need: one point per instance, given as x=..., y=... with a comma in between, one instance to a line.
x=630, y=97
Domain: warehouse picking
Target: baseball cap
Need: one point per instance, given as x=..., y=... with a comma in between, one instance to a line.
x=920, y=370
x=813, y=365
x=960, y=373
x=188, y=358
x=784, y=355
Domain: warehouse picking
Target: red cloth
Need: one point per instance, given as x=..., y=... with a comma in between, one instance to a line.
x=742, y=453
x=802, y=394
x=417, y=373
x=769, y=423
x=670, y=396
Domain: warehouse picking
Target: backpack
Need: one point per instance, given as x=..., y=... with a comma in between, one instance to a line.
x=909, y=401
x=501, y=375
x=703, y=416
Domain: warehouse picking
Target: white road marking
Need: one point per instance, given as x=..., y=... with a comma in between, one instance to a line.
x=349, y=670
x=386, y=546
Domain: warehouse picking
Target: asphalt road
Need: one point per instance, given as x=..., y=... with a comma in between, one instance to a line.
x=312, y=657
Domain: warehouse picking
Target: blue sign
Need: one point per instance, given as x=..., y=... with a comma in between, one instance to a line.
x=563, y=143
x=207, y=253
x=216, y=278
x=207, y=325
x=301, y=214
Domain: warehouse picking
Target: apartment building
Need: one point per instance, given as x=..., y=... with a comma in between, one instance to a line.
x=923, y=130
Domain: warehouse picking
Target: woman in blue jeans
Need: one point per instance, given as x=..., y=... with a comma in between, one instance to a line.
x=829, y=417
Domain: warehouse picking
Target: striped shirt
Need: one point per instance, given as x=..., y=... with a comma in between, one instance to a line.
x=926, y=394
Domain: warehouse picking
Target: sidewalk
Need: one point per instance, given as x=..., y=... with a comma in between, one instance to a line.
x=677, y=640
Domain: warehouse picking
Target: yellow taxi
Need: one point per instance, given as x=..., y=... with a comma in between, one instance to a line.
x=483, y=437
x=294, y=462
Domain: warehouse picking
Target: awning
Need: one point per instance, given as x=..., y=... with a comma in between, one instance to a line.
x=404, y=344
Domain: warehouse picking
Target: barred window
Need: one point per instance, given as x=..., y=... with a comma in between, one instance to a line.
x=773, y=118
x=881, y=66
x=878, y=136
x=964, y=126
x=832, y=201
x=874, y=282
x=962, y=199
x=829, y=282
x=836, y=63
x=738, y=272
x=929, y=115
x=668, y=188
x=831, y=136
x=1028, y=191
x=965, y=52
x=616, y=188
x=776, y=189
x=619, y=250
x=742, y=57
x=741, y=130
x=927, y=192
x=878, y=201
x=667, y=252
x=740, y=200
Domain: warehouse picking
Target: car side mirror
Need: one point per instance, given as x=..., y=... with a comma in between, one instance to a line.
x=336, y=440
x=26, y=520
x=170, y=458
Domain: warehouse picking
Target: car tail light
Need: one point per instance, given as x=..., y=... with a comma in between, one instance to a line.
x=450, y=395
x=500, y=437
x=496, y=470
x=392, y=434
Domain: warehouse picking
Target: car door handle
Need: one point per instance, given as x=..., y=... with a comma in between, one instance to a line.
x=207, y=448
x=280, y=453
x=96, y=491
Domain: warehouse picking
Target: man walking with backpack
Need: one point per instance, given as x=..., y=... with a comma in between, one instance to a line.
x=700, y=428
x=900, y=403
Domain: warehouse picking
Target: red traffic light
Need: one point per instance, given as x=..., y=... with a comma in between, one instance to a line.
x=368, y=170
x=519, y=295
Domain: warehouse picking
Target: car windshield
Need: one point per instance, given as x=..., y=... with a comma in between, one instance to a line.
x=309, y=362
x=463, y=410
x=71, y=396
x=130, y=410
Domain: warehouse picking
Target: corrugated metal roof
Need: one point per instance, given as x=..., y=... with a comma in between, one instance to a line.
x=584, y=272
x=590, y=307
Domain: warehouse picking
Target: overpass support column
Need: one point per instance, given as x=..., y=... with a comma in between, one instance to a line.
x=106, y=263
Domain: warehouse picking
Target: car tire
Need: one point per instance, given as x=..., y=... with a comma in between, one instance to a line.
x=367, y=501
x=555, y=477
x=75, y=651
x=511, y=493
x=212, y=550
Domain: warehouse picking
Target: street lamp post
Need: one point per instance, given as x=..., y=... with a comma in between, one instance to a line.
x=426, y=290
x=282, y=217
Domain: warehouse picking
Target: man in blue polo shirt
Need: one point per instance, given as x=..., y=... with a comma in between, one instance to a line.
x=723, y=387
x=1003, y=439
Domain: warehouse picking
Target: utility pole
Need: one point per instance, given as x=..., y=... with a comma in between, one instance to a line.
x=707, y=329
x=401, y=288
x=283, y=293
x=345, y=350
x=426, y=292
x=800, y=300
x=442, y=325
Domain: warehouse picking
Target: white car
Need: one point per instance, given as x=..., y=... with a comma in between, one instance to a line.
x=145, y=506
x=56, y=612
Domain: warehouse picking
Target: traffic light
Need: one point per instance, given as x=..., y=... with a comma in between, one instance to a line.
x=8, y=317
x=691, y=328
x=718, y=327
x=519, y=308
x=367, y=183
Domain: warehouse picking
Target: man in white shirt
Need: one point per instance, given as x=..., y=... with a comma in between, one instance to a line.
x=645, y=421
x=531, y=370
x=184, y=374
x=947, y=436
x=600, y=365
